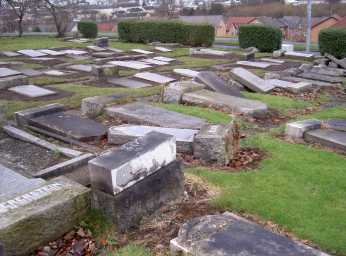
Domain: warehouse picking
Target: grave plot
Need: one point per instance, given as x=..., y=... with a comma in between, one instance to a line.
x=154, y=77
x=30, y=72
x=31, y=91
x=32, y=53
x=136, y=65
x=128, y=83
x=5, y=72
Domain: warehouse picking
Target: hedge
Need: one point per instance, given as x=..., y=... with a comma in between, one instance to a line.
x=333, y=41
x=166, y=32
x=88, y=29
x=264, y=38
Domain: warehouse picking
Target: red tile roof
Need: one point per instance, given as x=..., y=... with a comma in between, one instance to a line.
x=341, y=23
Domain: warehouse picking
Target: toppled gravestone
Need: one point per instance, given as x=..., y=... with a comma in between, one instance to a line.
x=136, y=179
x=230, y=235
x=213, y=144
x=338, y=62
x=327, y=137
x=102, y=42
x=296, y=130
x=174, y=92
x=6, y=82
x=249, y=53
x=34, y=212
x=102, y=73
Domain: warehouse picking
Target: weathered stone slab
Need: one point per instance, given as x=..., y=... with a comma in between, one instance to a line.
x=153, y=77
x=32, y=53
x=255, y=64
x=250, y=80
x=278, y=53
x=186, y=72
x=115, y=50
x=115, y=170
x=72, y=126
x=335, y=60
x=320, y=77
x=52, y=52
x=29, y=71
x=128, y=83
x=297, y=129
x=31, y=91
x=206, y=51
x=103, y=72
x=174, y=92
x=273, y=60
x=81, y=67
x=95, y=48
x=299, y=55
x=234, y=104
x=327, y=137
x=127, y=208
x=215, y=83
x=141, y=51
x=155, y=62
x=102, y=42
x=124, y=133
x=131, y=64
x=335, y=124
x=162, y=49
x=146, y=114
x=54, y=73
x=287, y=47
x=165, y=59
x=10, y=54
x=74, y=52
x=228, y=234
x=6, y=82
x=32, y=219
x=328, y=71
x=293, y=87
x=313, y=82
x=8, y=72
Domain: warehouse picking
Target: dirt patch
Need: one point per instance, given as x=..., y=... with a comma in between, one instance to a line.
x=8, y=95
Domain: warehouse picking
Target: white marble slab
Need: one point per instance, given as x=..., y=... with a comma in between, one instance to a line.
x=115, y=50
x=155, y=62
x=10, y=54
x=153, y=77
x=165, y=59
x=74, y=52
x=31, y=91
x=54, y=73
x=186, y=72
x=287, y=47
x=142, y=51
x=52, y=52
x=162, y=49
x=299, y=54
x=32, y=53
x=255, y=64
x=137, y=65
x=8, y=72
x=96, y=48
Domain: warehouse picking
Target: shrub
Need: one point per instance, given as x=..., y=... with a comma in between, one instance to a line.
x=88, y=29
x=333, y=41
x=166, y=32
x=264, y=38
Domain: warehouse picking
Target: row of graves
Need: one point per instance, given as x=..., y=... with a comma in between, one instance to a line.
x=53, y=169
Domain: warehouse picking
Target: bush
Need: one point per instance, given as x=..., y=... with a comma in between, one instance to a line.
x=264, y=38
x=88, y=29
x=333, y=41
x=166, y=32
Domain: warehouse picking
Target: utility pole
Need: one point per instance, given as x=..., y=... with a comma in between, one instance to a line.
x=308, y=25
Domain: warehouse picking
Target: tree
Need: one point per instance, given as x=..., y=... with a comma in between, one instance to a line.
x=331, y=4
x=61, y=12
x=20, y=8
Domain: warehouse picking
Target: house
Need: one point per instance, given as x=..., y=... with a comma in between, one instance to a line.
x=110, y=26
x=233, y=24
x=322, y=24
x=273, y=22
x=217, y=21
x=340, y=24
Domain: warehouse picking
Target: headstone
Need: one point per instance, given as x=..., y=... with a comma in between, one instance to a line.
x=122, y=134
x=146, y=114
x=154, y=77
x=31, y=91
x=104, y=72
x=6, y=82
x=271, y=75
x=52, y=52
x=128, y=83
x=186, y=72
x=313, y=82
x=297, y=129
x=81, y=67
x=319, y=77
x=155, y=62
x=287, y=47
x=74, y=52
x=72, y=126
x=115, y=170
x=130, y=64
x=164, y=59
x=102, y=42
x=305, y=67
x=335, y=60
x=33, y=53
x=250, y=80
x=4, y=72
x=174, y=92
x=255, y=64
x=328, y=71
x=207, y=51
x=278, y=53
x=233, y=104
x=95, y=48
x=335, y=124
x=277, y=61
x=115, y=50
x=229, y=234
x=141, y=51
x=327, y=137
x=250, y=53
x=290, y=86
x=30, y=71
x=215, y=83
x=10, y=54
x=299, y=55
x=54, y=73
x=162, y=49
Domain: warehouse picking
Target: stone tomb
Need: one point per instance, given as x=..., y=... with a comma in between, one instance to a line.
x=6, y=82
x=299, y=55
x=33, y=53
x=155, y=62
x=162, y=49
x=230, y=234
x=146, y=114
x=136, y=179
x=296, y=130
x=293, y=87
x=31, y=91
x=122, y=134
x=287, y=47
x=4, y=72
x=137, y=65
x=174, y=92
x=128, y=83
x=320, y=77
x=216, y=84
x=153, y=77
x=34, y=212
x=327, y=137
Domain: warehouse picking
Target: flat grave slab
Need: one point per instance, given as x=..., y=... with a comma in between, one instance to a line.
x=146, y=114
x=165, y=59
x=215, y=83
x=299, y=55
x=51, y=52
x=31, y=91
x=186, y=72
x=154, y=77
x=128, y=83
x=313, y=82
x=335, y=124
x=81, y=67
x=162, y=49
x=273, y=60
x=296, y=130
x=207, y=51
x=294, y=87
x=327, y=137
x=74, y=52
x=155, y=62
x=219, y=100
x=30, y=71
x=336, y=61
x=54, y=73
x=124, y=133
x=130, y=64
x=11, y=54
x=320, y=77
x=115, y=50
x=33, y=53
x=9, y=81
x=250, y=80
x=287, y=47
x=174, y=92
x=328, y=71
x=231, y=235
x=141, y=51
x=4, y=72
x=255, y=64
x=96, y=48
x=73, y=126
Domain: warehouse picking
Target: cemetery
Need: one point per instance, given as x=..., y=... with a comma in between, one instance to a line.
x=112, y=146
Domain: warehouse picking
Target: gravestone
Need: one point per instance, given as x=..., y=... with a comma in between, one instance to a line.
x=122, y=134
x=290, y=86
x=115, y=50
x=231, y=235
x=146, y=114
x=335, y=60
x=278, y=53
x=273, y=60
x=174, y=92
x=233, y=104
x=164, y=59
x=271, y=75
x=215, y=83
x=102, y=55
x=74, y=52
x=29, y=71
x=320, y=77
x=155, y=62
x=102, y=42
x=6, y=82
x=207, y=51
x=250, y=80
x=154, y=77
x=328, y=71
x=72, y=126
x=186, y=72
x=10, y=54
x=130, y=64
x=52, y=52
x=296, y=130
x=287, y=47
x=162, y=49
x=54, y=73
x=95, y=48
x=250, y=53
x=255, y=64
x=31, y=91
x=128, y=83
x=102, y=73
x=299, y=55
x=313, y=82
x=335, y=124
x=141, y=51
x=33, y=53
x=81, y=67
x=4, y=72
x=327, y=137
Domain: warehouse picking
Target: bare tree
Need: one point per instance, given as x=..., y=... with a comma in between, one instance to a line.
x=20, y=8
x=61, y=12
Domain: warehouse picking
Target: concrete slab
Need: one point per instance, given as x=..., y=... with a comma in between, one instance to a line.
x=293, y=87
x=81, y=67
x=141, y=51
x=74, y=52
x=154, y=77
x=255, y=64
x=4, y=72
x=207, y=51
x=215, y=83
x=32, y=53
x=186, y=72
x=165, y=59
x=162, y=49
x=10, y=54
x=128, y=83
x=328, y=71
x=313, y=82
x=155, y=62
x=122, y=134
x=146, y=114
x=296, y=130
x=31, y=91
x=115, y=50
x=250, y=80
x=327, y=137
x=9, y=81
x=234, y=104
x=131, y=64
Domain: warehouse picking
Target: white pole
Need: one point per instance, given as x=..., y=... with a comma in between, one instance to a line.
x=308, y=25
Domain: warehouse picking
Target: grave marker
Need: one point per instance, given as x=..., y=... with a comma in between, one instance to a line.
x=4, y=72
x=154, y=77
x=32, y=53
x=128, y=83
x=31, y=91
x=186, y=72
